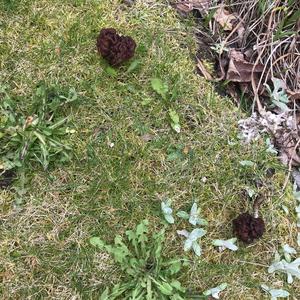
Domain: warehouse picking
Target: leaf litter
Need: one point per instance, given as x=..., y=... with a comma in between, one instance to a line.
x=256, y=51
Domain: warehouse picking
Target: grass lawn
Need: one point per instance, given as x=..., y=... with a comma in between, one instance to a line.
x=127, y=158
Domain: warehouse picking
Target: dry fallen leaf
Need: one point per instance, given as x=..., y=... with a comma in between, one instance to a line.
x=186, y=6
x=239, y=70
x=288, y=143
x=294, y=95
x=225, y=18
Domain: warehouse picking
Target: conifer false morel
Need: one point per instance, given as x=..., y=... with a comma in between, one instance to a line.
x=115, y=48
x=248, y=228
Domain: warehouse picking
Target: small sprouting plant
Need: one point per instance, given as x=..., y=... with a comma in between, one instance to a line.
x=147, y=273
x=193, y=217
x=278, y=95
x=192, y=238
x=219, y=48
x=36, y=134
x=162, y=89
x=271, y=148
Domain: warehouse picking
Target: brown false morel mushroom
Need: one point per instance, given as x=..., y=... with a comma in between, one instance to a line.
x=247, y=227
x=114, y=48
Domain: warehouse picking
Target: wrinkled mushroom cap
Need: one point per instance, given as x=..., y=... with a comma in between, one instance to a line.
x=247, y=228
x=114, y=48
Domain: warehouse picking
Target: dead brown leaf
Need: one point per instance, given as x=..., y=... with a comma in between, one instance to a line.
x=186, y=6
x=294, y=95
x=225, y=18
x=289, y=154
x=239, y=70
x=288, y=141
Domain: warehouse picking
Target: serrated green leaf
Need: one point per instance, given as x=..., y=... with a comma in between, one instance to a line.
x=177, y=285
x=165, y=288
x=176, y=127
x=174, y=120
x=159, y=87
x=131, y=235
x=120, y=255
x=105, y=294
x=134, y=65
x=174, y=116
x=111, y=72
x=142, y=228
x=97, y=242
x=175, y=267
